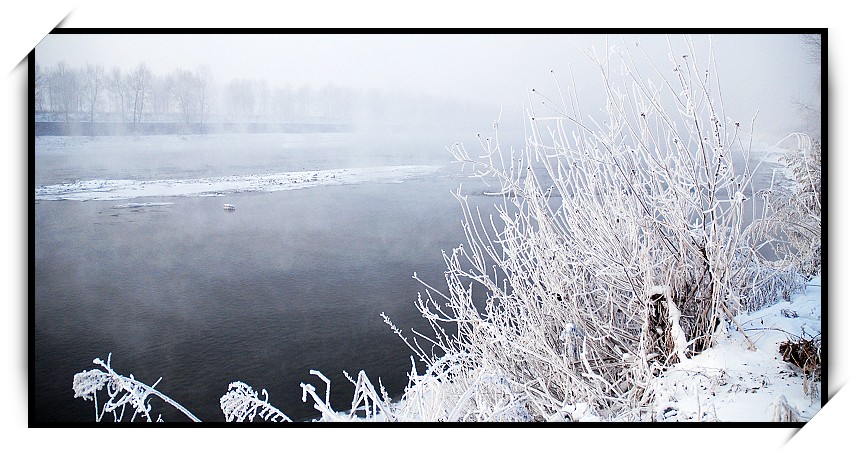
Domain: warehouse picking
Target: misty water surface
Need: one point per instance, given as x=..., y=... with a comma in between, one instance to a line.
x=290, y=281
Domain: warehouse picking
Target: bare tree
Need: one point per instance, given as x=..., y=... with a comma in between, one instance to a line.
x=261, y=95
x=63, y=86
x=282, y=103
x=203, y=85
x=813, y=44
x=117, y=86
x=240, y=98
x=141, y=84
x=42, y=89
x=160, y=99
x=94, y=81
x=810, y=109
x=182, y=86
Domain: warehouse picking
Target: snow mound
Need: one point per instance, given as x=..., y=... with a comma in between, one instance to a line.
x=728, y=382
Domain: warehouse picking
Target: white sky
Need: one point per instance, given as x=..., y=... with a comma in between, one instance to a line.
x=758, y=72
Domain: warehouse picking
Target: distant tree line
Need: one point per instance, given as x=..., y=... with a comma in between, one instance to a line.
x=93, y=93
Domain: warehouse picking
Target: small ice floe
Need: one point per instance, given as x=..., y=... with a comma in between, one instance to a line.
x=228, y=207
x=140, y=205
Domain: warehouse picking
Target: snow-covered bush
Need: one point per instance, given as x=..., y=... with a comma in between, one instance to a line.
x=619, y=246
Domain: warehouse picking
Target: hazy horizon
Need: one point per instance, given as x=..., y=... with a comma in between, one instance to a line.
x=763, y=73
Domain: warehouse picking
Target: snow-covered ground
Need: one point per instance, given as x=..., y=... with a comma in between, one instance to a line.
x=119, y=189
x=729, y=382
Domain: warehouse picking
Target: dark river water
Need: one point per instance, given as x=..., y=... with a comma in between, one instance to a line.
x=288, y=282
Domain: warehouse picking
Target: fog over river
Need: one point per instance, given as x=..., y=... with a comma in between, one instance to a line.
x=174, y=286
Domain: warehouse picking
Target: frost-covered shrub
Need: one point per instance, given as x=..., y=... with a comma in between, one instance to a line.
x=796, y=201
x=619, y=246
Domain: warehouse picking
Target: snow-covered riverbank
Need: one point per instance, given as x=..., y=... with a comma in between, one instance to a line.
x=729, y=382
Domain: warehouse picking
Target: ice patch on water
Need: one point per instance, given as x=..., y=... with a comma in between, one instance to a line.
x=119, y=189
x=136, y=205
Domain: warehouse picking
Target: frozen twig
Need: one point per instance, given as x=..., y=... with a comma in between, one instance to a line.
x=121, y=391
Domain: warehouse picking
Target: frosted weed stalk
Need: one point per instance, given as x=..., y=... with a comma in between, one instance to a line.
x=121, y=392
x=241, y=403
